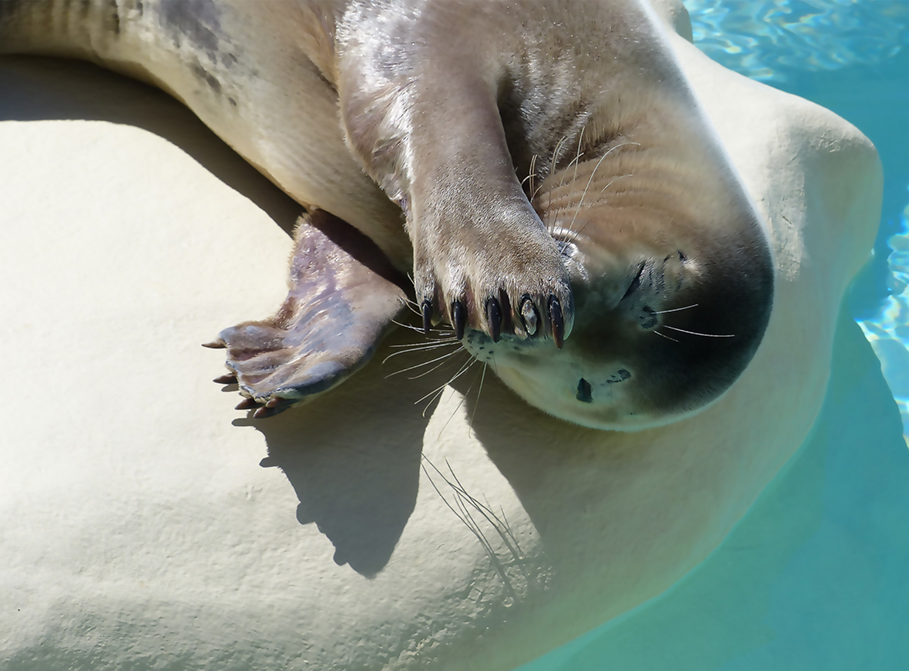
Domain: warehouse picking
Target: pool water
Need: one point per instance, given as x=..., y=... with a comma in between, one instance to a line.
x=816, y=576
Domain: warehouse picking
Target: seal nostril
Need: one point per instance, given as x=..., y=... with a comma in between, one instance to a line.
x=584, y=395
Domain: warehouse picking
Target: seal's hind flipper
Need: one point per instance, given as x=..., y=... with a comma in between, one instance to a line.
x=343, y=297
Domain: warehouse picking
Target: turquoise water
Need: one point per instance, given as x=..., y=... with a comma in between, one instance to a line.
x=816, y=576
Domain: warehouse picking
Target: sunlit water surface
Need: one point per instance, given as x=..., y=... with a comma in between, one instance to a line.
x=816, y=576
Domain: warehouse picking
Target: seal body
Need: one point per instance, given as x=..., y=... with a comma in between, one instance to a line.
x=559, y=197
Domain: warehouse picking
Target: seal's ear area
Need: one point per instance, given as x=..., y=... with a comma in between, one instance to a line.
x=342, y=300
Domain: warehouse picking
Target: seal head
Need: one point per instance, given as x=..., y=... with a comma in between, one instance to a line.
x=671, y=276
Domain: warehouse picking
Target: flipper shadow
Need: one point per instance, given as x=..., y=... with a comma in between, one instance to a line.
x=356, y=485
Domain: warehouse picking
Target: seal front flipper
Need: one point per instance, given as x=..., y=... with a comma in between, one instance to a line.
x=424, y=118
x=343, y=297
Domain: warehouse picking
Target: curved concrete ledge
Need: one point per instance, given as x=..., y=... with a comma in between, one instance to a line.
x=140, y=527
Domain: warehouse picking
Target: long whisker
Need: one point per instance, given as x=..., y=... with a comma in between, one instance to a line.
x=703, y=335
x=463, y=398
x=592, y=174
x=444, y=331
x=420, y=348
x=431, y=343
x=531, y=174
x=410, y=305
x=577, y=233
x=464, y=368
x=434, y=368
x=420, y=365
x=577, y=158
x=663, y=335
x=557, y=152
x=435, y=393
x=616, y=180
x=687, y=307
x=479, y=391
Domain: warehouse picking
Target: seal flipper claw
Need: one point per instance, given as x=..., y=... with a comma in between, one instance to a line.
x=459, y=319
x=558, y=321
x=426, y=311
x=227, y=378
x=494, y=315
x=343, y=297
x=247, y=404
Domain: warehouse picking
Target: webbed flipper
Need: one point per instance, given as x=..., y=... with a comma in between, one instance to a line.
x=344, y=295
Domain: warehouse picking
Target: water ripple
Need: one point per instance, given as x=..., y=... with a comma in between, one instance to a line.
x=770, y=41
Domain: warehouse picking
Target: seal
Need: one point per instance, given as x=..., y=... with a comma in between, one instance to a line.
x=542, y=168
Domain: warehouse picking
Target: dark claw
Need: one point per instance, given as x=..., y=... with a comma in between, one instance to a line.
x=494, y=315
x=266, y=411
x=214, y=344
x=227, y=378
x=459, y=316
x=247, y=404
x=558, y=322
x=426, y=308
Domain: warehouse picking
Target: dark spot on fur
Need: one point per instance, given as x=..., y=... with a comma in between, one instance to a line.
x=199, y=21
x=584, y=395
x=232, y=101
x=620, y=376
x=209, y=78
x=114, y=16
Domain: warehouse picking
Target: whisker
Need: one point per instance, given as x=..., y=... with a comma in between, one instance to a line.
x=435, y=368
x=616, y=180
x=436, y=393
x=420, y=365
x=589, y=181
x=464, y=368
x=443, y=331
x=663, y=335
x=557, y=152
x=435, y=343
x=479, y=391
x=663, y=312
x=704, y=335
x=420, y=348
x=463, y=398
x=578, y=157
x=533, y=171
x=410, y=305
x=586, y=188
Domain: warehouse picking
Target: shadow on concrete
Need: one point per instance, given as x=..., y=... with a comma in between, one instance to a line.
x=44, y=89
x=360, y=491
